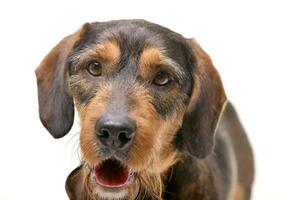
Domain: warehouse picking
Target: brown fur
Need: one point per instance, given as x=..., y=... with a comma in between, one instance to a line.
x=53, y=66
x=88, y=115
x=185, y=146
x=239, y=193
x=150, y=58
x=109, y=51
x=150, y=159
x=199, y=74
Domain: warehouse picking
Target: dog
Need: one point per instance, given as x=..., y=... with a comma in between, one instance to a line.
x=155, y=120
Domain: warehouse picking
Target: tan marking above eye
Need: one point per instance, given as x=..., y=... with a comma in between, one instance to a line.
x=109, y=52
x=152, y=61
x=150, y=58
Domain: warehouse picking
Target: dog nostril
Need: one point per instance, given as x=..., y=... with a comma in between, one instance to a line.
x=104, y=133
x=124, y=136
x=115, y=131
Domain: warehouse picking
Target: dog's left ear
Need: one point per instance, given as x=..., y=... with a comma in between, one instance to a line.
x=56, y=107
x=206, y=103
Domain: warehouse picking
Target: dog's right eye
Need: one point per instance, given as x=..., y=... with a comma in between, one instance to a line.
x=94, y=68
x=161, y=79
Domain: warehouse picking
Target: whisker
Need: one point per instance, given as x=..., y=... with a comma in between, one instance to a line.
x=71, y=138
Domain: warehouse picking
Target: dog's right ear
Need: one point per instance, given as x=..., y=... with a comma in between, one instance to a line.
x=206, y=104
x=56, y=107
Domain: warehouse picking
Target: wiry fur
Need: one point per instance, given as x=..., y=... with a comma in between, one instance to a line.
x=178, y=151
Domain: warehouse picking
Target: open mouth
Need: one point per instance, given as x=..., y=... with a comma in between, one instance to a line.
x=112, y=174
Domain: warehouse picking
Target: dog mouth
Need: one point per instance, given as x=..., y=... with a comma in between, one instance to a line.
x=112, y=174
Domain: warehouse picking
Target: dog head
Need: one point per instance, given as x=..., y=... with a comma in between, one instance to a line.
x=144, y=95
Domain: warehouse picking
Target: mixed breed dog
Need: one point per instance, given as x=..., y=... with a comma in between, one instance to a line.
x=155, y=121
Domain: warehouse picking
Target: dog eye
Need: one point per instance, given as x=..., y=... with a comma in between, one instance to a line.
x=161, y=79
x=94, y=68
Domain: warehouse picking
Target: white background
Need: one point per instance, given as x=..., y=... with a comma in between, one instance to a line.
x=255, y=45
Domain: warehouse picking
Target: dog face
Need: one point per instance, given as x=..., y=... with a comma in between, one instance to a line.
x=144, y=95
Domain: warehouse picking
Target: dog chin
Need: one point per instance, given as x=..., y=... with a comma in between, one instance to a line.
x=129, y=191
x=112, y=195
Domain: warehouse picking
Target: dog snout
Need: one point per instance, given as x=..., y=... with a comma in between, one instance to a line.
x=115, y=131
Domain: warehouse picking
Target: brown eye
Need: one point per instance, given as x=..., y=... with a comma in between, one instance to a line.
x=94, y=68
x=161, y=79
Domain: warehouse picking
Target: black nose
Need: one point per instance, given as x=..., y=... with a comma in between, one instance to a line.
x=115, y=131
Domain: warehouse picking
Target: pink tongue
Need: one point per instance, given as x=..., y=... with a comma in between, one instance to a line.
x=111, y=173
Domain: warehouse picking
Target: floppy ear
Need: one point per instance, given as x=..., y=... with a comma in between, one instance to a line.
x=206, y=104
x=56, y=108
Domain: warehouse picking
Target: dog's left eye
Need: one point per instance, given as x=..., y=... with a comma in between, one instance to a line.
x=94, y=68
x=161, y=79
